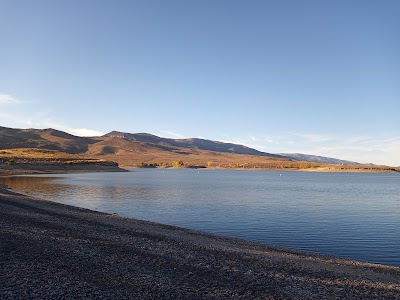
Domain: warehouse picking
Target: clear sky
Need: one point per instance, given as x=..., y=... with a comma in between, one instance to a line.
x=316, y=77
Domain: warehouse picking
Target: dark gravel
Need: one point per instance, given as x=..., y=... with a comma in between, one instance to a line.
x=54, y=251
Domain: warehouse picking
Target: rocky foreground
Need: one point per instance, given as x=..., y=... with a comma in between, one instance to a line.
x=54, y=251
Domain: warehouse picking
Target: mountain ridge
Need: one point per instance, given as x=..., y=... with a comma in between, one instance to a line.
x=195, y=143
x=319, y=159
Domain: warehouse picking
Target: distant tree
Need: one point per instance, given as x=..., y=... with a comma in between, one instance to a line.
x=178, y=163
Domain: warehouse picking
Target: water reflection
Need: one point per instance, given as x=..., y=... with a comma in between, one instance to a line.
x=96, y=197
x=28, y=184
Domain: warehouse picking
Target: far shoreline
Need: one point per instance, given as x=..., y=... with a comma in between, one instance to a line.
x=316, y=170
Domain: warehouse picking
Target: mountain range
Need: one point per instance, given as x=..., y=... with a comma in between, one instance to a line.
x=142, y=148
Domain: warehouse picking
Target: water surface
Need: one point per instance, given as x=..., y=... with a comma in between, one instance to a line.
x=348, y=215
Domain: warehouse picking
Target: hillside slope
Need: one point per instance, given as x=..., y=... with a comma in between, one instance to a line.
x=50, y=139
x=133, y=153
x=193, y=143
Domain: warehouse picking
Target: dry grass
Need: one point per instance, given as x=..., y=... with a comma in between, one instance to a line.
x=28, y=161
x=35, y=153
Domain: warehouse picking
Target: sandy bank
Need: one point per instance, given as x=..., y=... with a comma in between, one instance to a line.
x=54, y=251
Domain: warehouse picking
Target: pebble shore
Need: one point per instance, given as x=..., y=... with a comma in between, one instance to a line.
x=54, y=251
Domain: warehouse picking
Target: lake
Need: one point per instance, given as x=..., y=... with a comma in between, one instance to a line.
x=350, y=215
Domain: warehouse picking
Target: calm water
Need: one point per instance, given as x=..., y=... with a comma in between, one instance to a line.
x=348, y=215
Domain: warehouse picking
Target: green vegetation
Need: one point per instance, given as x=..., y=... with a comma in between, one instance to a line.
x=30, y=153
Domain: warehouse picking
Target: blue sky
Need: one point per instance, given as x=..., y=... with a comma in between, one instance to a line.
x=316, y=77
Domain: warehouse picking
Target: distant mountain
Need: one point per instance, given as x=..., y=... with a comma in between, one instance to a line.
x=193, y=143
x=318, y=159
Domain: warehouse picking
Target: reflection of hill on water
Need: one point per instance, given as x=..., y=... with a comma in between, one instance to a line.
x=27, y=184
x=95, y=197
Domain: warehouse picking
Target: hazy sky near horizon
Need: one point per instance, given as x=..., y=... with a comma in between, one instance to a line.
x=309, y=76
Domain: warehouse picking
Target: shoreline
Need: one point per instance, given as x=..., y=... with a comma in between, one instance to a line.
x=313, y=170
x=46, y=170
x=52, y=250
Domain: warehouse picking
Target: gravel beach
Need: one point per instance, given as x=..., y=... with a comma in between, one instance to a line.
x=54, y=251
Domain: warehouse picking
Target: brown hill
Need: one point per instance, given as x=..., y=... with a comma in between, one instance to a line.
x=149, y=150
x=192, y=143
x=45, y=139
x=133, y=153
